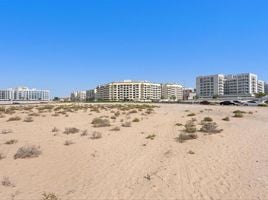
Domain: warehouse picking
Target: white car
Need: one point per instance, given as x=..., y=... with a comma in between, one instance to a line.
x=251, y=103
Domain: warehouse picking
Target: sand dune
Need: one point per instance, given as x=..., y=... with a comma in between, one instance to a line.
x=124, y=164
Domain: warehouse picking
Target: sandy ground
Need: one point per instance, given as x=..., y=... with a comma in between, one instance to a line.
x=125, y=165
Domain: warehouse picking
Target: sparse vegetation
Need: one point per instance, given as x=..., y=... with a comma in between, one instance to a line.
x=136, y=120
x=27, y=152
x=190, y=127
x=151, y=137
x=98, y=122
x=49, y=196
x=178, y=124
x=55, y=129
x=28, y=119
x=207, y=119
x=84, y=133
x=191, y=114
x=238, y=115
x=68, y=143
x=2, y=156
x=115, y=129
x=126, y=124
x=191, y=152
x=9, y=142
x=6, y=182
x=96, y=135
x=6, y=131
x=210, y=128
x=226, y=119
x=186, y=136
x=71, y=130
x=16, y=118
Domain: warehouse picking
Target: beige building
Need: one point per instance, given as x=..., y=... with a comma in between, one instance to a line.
x=172, y=92
x=78, y=96
x=129, y=91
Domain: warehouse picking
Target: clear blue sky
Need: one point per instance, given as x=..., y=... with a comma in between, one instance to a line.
x=69, y=45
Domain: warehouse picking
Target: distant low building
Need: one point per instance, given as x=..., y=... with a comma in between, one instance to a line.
x=24, y=94
x=78, y=96
x=91, y=95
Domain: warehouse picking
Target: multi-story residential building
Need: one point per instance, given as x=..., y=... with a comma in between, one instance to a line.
x=189, y=94
x=172, y=92
x=91, y=94
x=261, y=86
x=240, y=85
x=266, y=88
x=210, y=86
x=78, y=96
x=129, y=90
x=24, y=94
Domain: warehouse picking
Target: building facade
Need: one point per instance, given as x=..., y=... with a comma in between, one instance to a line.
x=24, y=94
x=210, y=86
x=78, y=96
x=172, y=92
x=129, y=91
x=91, y=94
x=266, y=88
x=189, y=94
x=240, y=85
x=261, y=86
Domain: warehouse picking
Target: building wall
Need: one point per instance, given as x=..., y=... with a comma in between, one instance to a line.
x=24, y=94
x=261, y=86
x=266, y=88
x=170, y=91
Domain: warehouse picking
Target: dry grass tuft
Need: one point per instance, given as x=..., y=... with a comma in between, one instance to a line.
x=13, y=141
x=71, y=130
x=6, y=182
x=6, y=131
x=16, y=118
x=96, y=135
x=27, y=152
x=2, y=156
x=136, y=120
x=84, y=133
x=186, y=136
x=191, y=114
x=207, y=119
x=151, y=137
x=28, y=119
x=210, y=128
x=126, y=124
x=54, y=130
x=49, y=196
x=190, y=127
x=68, y=143
x=226, y=119
x=115, y=129
x=98, y=122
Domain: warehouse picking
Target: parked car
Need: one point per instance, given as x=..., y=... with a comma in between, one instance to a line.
x=239, y=103
x=251, y=103
x=227, y=103
x=205, y=103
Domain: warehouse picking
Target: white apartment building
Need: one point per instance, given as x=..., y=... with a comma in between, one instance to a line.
x=129, y=90
x=209, y=86
x=240, y=85
x=78, y=96
x=172, y=92
x=24, y=94
x=261, y=86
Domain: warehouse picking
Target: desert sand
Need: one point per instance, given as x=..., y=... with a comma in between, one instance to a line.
x=127, y=164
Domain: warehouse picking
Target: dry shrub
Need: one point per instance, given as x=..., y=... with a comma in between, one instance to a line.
x=238, y=115
x=6, y=131
x=55, y=115
x=96, y=135
x=49, y=196
x=191, y=152
x=16, y=118
x=132, y=112
x=186, y=136
x=136, y=120
x=84, y=133
x=115, y=129
x=55, y=129
x=126, y=124
x=191, y=114
x=13, y=141
x=113, y=117
x=28, y=119
x=190, y=127
x=178, y=124
x=1, y=115
x=2, y=156
x=6, y=182
x=68, y=143
x=33, y=114
x=27, y=152
x=117, y=114
x=151, y=137
x=71, y=130
x=207, y=119
x=210, y=128
x=226, y=119
x=98, y=122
